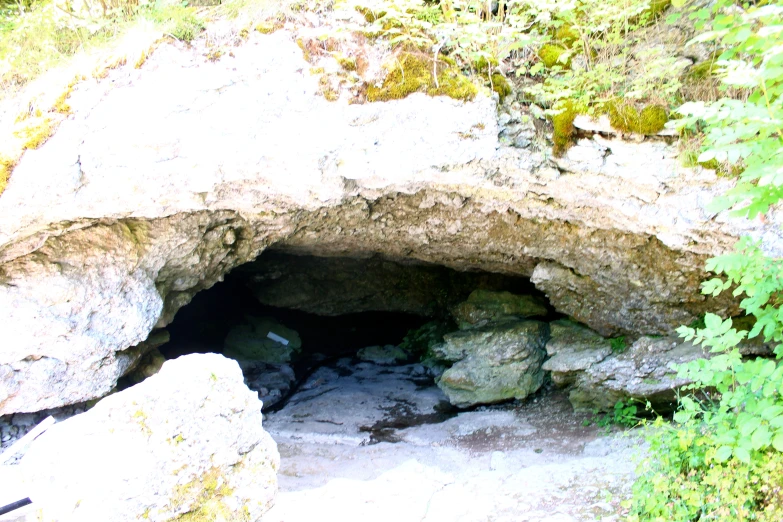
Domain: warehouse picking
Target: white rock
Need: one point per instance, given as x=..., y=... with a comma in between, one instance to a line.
x=188, y=439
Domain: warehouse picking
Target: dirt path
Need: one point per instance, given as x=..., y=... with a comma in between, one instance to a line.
x=362, y=442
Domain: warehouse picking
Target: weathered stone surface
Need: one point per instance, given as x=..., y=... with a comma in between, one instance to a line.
x=573, y=348
x=499, y=361
x=250, y=341
x=385, y=355
x=485, y=305
x=645, y=371
x=344, y=285
x=186, y=442
x=166, y=177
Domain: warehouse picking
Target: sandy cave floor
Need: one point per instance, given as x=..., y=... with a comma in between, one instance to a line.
x=363, y=442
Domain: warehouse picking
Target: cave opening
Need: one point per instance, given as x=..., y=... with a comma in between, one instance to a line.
x=283, y=316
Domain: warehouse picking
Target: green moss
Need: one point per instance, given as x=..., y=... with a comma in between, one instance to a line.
x=413, y=72
x=346, y=62
x=701, y=70
x=501, y=86
x=550, y=55
x=483, y=64
x=267, y=27
x=626, y=118
x=566, y=35
x=564, y=130
x=691, y=159
x=653, y=119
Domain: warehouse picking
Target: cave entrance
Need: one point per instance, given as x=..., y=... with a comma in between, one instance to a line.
x=283, y=316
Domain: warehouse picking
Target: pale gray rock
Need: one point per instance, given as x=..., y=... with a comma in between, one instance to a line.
x=188, y=440
x=164, y=178
x=645, y=372
x=492, y=363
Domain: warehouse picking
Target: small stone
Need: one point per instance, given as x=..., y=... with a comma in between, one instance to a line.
x=504, y=119
x=521, y=142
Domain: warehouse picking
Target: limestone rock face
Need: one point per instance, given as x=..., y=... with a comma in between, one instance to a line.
x=485, y=305
x=165, y=178
x=345, y=285
x=645, y=371
x=492, y=363
x=186, y=442
x=252, y=341
x=598, y=378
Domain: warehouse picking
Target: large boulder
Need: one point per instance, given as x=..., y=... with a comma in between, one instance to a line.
x=486, y=305
x=186, y=444
x=492, y=363
x=262, y=339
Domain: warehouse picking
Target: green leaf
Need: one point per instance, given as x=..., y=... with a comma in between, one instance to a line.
x=723, y=454
x=742, y=455
x=777, y=441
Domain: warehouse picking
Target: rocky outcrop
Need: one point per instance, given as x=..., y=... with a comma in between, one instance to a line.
x=492, y=363
x=599, y=377
x=186, y=444
x=164, y=178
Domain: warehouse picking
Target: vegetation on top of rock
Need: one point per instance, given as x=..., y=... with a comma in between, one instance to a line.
x=411, y=72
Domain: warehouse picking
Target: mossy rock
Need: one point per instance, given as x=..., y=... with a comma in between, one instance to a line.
x=413, y=72
x=550, y=55
x=564, y=130
x=250, y=341
x=566, y=35
x=501, y=86
x=625, y=117
x=701, y=70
